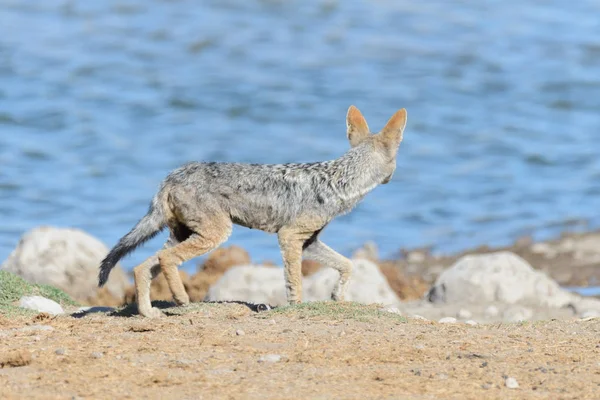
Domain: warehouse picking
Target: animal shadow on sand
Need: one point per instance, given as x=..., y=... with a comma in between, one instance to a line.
x=131, y=310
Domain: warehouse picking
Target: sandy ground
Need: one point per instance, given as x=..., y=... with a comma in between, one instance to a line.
x=315, y=351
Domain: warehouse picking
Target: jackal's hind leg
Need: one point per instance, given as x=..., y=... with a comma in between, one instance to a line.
x=195, y=245
x=319, y=251
x=143, y=275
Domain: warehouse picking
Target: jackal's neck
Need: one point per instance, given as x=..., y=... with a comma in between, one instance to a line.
x=356, y=173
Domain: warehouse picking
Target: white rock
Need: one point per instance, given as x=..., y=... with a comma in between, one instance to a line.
x=471, y=322
x=586, y=304
x=64, y=258
x=500, y=277
x=517, y=313
x=419, y=317
x=254, y=284
x=393, y=310
x=368, y=252
x=257, y=284
x=41, y=304
x=240, y=332
x=463, y=313
x=511, y=383
x=367, y=285
x=447, y=320
x=589, y=314
x=491, y=311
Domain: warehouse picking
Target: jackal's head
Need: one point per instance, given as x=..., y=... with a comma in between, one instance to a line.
x=385, y=143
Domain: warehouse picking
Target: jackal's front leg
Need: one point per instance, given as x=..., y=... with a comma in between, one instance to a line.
x=319, y=251
x=290, y=243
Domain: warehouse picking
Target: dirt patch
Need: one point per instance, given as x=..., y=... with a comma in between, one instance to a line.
x=316, y=350
x=17, y=358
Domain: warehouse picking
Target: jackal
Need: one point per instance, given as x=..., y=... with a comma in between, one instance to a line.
x=200, y=201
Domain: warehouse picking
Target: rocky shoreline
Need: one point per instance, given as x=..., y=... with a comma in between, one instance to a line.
x=523, y=281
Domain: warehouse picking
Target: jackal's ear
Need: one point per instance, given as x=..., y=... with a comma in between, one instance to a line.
x=392, y=132
x=356, y=126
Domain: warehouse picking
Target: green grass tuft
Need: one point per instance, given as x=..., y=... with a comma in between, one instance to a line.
x=13, y=287
x=336, y=310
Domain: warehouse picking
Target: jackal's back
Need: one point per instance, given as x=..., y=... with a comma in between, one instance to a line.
x=269, y=196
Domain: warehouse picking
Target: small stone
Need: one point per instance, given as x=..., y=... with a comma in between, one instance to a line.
x=471, y=322
x=240, y=332
x=511, y=383
x=486, y=386
x=270, y=358
x=419, y=317
x=41, y=304
x=442, y=376
x=491, y=311
x=59, y=352
x=447, y=320
x=342, y=333
x=393, y=310
x=97, y=354
x=419, y=346
x=463, y=313
x=272, y=322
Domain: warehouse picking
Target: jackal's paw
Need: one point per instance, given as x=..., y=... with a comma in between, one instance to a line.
x=181, y=300
x=152, y=313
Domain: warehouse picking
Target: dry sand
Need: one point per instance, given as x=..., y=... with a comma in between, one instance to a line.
x=314, y=351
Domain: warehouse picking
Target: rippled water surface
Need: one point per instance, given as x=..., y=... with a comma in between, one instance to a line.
x=99, y=100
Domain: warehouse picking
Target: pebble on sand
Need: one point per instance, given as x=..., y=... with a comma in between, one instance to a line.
x=41, y=304
x=511, y=383
x=270, y=358
x=447, y=320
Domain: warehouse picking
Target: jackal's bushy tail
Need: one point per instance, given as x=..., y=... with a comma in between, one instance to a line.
x=148, y=227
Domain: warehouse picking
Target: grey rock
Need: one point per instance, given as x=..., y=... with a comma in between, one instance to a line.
x=60, y=352
x=240, y=332
x=97, y=354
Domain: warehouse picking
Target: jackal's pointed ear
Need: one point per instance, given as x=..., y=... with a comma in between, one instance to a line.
x=356, y=126
x=392, y=132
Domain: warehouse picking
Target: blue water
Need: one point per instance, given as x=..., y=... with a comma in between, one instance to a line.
x=99, y=100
